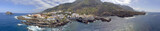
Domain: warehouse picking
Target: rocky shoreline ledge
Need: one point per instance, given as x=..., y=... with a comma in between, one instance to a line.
x=58, y=18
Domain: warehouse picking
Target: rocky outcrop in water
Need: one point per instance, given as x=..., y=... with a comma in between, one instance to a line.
x=9, y=13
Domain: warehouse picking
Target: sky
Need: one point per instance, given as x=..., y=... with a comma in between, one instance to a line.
x=32, y=6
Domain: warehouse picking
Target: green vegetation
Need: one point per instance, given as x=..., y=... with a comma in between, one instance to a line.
x=96, y=7
x=87, y=11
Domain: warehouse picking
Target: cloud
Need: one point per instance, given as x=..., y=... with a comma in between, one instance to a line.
x=122, y=2
x=41, y=4
x=44, y=4
x=145, y=9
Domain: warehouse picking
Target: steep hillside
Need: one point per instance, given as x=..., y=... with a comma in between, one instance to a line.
x=96, y=7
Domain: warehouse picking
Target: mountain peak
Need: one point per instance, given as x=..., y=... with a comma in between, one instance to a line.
x=89, y=1
x=96, y=7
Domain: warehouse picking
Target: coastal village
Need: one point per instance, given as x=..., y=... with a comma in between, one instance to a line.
x=58, y=18
x=79, y=11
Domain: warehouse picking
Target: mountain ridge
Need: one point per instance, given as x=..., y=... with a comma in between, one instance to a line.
x=96, y=7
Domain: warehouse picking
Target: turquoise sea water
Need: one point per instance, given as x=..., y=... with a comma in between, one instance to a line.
x=149, y=22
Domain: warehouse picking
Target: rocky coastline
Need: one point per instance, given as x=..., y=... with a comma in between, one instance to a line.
x=84, y=11
x=58, y=18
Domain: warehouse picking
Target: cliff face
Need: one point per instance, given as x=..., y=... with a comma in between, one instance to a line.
x=96, y=7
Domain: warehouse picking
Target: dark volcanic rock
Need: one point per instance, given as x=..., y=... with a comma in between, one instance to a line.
x=82, y=20
x=103, y=19
x=41, y=23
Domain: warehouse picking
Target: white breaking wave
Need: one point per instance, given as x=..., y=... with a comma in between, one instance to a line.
x=19, y=24
x=15, y=17
x=26, y=17
x=129, y=17
x=35, y=28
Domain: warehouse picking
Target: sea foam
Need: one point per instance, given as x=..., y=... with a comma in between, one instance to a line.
x=35, y=28
x=15, y=17
x=129, y=17
x=19, y=24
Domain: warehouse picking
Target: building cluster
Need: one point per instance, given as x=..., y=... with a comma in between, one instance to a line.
x=59, y=16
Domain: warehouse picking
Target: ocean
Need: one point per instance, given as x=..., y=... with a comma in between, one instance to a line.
x=9, y=23
x=148, y=22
